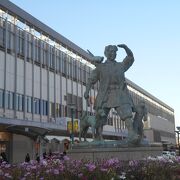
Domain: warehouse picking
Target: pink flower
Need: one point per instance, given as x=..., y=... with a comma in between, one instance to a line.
x=91, y=167
x=104, y=169
x=80, y=175
x=66, y=158
x=56, y=171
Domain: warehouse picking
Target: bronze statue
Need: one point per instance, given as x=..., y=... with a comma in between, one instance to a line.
x=113, y=92
x=140, y=116
x=87, y=121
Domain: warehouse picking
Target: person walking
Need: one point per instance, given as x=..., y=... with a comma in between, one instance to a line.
x=27, y=158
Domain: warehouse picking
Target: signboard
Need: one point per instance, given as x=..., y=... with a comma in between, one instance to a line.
x=75, y=125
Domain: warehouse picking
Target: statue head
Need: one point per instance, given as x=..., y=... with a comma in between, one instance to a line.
x=110, y=52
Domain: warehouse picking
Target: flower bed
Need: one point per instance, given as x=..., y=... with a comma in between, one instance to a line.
x=59, y=168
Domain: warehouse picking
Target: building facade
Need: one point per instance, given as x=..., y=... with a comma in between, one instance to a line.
x=41, y=75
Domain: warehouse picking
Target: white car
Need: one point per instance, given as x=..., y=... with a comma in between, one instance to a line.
x=168, y=154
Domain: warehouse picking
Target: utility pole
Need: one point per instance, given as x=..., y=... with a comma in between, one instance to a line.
x=178, y=132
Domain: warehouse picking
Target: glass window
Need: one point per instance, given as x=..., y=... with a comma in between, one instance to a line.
x=57, y=110
x=6, y=99
x=29, y=47
x=10, y=100
x=64, y=64
x=44, y=103
x=1, y=98
x=29, y=104
x=57, y=63
x=36, y=106
x=75, y=70
x=45, y=46
x=20, y=42
x=70, y=67
x=2, y=35
x=20, y=102
x=52, y=110
x=16, y=100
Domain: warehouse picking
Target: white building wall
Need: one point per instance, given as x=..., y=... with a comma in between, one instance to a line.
x=84, y=101
x=74, y=88
x=36, y=81
x=10, y=73
x=51, y=86
x=57, y=89
x=79, y=90
x=63, y=90
x=2, y=59
x=20, y=76
x=162, y=124
x=69, y=86
x=44, y=84
x=28, y=79
x=149, y=134
x=21, y=146
x=171, y=140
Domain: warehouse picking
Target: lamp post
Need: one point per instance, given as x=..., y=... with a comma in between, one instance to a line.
x=178, y=132
x=72, y=107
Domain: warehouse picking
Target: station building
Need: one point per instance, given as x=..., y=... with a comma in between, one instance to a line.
x=42, y=74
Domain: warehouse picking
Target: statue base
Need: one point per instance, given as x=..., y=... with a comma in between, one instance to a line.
x=94, y=151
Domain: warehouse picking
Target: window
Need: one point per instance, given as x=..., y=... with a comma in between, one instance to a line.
x=44, y=58
x=75, y=70
x=44, y=108
x=29, y=46
x=64, y=64
x=57, y=110
x=10, y=36
x=52, y=109
x=36, y=106
x=10, y=100
x=20, y=102
x=57, y=62
x=2, y=32
x=28, y=104
x=1, y=98
x=70, y=67
x=51, y=58
x=20, y=42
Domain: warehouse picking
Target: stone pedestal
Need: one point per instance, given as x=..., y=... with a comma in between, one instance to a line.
x=122, y=153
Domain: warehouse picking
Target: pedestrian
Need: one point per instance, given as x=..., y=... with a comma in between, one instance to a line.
x=62, y=155
x=37, y=157
x=44, y=155
x=27, y=158
x=50, y=153
x=4, y=158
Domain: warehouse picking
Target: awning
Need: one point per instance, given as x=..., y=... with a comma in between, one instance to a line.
x=30, y=131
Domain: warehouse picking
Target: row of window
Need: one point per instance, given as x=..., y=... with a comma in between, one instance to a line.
x=41, y=52
x=12, y=101
x=153, y=109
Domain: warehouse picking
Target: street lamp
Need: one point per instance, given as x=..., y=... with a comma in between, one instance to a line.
x=72, y=107
x=178, y=132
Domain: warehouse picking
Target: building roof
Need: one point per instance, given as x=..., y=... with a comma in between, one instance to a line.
x=41, y=27
x=148, y=94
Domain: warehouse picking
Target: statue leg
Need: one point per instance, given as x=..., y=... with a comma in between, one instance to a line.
x=101, y=120
x=125, y=113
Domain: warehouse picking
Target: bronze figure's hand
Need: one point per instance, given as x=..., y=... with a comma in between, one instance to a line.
x=121, y=45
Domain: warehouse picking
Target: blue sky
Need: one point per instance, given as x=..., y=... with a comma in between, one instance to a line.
x=150, y=28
